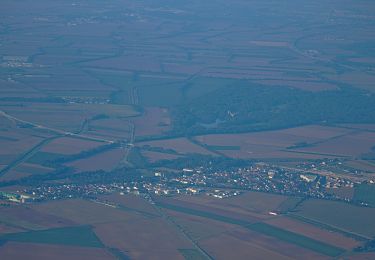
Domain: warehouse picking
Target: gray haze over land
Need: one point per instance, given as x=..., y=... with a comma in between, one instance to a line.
x=240, y=129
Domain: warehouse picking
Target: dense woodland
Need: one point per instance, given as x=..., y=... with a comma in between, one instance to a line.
x=245, y=107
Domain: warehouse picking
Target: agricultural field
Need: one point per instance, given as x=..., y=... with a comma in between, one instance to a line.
x=89, y=224
x=156, y=156
x=25, y=169
x=352, y=145
x=101, y=79
x=114, y=224
x=348, y=218
x=131, y=203
x=63, y=116
x=226, y=245
x=343, y=192
x=66, y=145
x=103, y=161
x=82, y=212
x=363, y=165
x=313, y=232
x=178, y=145
x=28, y=219
x=250, y=202
x=297, y=144
x=19, y=141
x=143, y=238
x=110, y=128
x=198, y=227
x=154, y=121
x=266, y=235
x=365, y=193
x=105, y=104
x=74, y=236
x=17, y=250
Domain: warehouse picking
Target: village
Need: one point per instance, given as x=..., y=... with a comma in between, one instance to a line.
x=222, y=184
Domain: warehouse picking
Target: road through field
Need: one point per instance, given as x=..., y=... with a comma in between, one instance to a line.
x=54, y=130
x=181, y=230
x=23, y=157
x=59, y=133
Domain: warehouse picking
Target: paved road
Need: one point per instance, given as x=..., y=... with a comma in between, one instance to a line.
x=54, y=130
x=59, y=133
x=23, y=157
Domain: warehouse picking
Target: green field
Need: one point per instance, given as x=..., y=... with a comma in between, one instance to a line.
x=365, y=193
x=72, y=236
x=296, y=239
